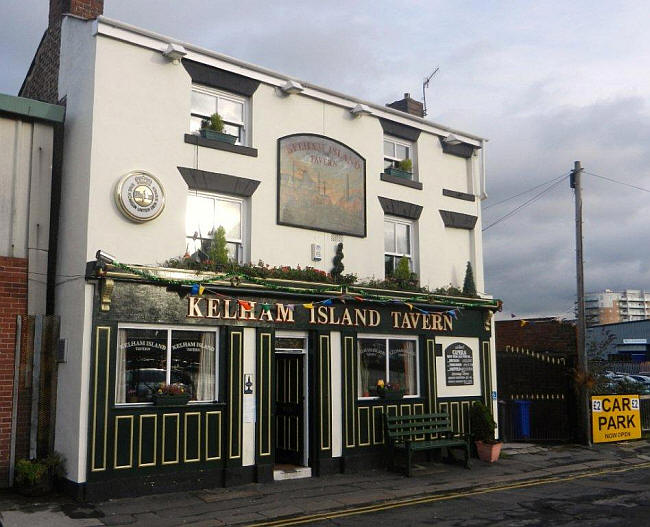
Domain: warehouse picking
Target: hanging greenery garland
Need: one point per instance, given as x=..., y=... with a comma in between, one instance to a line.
x=198, y=288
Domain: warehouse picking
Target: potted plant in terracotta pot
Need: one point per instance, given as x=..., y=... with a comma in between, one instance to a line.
x=483, y=426
x=171, y=395
x=212, y=128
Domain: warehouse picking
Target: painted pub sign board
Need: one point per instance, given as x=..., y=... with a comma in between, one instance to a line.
x=321, y=185
x=615, y=418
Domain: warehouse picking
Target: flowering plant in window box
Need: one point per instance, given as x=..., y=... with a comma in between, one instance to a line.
x=171, y=395
x=404, y=169
x=212, y=128
x=389, y=391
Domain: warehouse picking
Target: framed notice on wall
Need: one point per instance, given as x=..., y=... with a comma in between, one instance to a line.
x=321, y=185
x=459, y=365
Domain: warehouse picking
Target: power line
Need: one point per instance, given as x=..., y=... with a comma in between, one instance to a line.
x=525, y=191
x=526, y=203
x=617, y=181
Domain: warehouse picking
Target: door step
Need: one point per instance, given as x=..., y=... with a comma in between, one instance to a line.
x=281, y=472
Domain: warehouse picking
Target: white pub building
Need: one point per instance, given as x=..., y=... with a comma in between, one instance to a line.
x=279, y=369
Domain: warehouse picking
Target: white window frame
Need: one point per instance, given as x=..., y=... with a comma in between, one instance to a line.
x=387, y=338
x=243, y=203
x=395, y=160
x=168, y=358
x=411, y=224
x=244, y=138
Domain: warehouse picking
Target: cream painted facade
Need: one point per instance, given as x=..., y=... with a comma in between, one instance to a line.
x=128, y=108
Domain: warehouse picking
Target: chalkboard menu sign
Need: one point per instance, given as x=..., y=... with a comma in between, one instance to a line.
x=459, y=365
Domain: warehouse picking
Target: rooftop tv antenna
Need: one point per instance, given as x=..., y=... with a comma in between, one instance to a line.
x=425, y=85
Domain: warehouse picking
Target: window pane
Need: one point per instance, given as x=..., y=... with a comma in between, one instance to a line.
x=228, y=215
x=234, y=252
x=402, y=237
x=195, y=123
x=389, y=148
x=231, y=110
x=199, y=216
x=389, y=265
x=290, y=343
x=389, y=237
x=401, y=152
x=141, y=364
x=388, y=163
x=194, y=363
x=372, y=365
x=233, y=130
x=203, y=104
x=402, y=365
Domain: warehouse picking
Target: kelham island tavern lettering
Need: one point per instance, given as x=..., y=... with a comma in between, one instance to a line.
x=227, y=309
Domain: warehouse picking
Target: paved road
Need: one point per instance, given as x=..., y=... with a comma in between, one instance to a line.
x=610, y=498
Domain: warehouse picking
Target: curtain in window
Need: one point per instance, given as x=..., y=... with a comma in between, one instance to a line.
x=205, y=382
x=371, y=365
x=120, y=375
x=402, y=365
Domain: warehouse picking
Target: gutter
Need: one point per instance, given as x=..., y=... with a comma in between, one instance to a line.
x=279, y=78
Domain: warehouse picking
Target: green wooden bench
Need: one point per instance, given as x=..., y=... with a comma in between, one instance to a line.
x=413, y=433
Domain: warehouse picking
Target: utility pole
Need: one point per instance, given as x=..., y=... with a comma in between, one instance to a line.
x=583, y=366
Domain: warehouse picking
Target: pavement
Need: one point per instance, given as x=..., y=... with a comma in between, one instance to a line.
x=260, y=503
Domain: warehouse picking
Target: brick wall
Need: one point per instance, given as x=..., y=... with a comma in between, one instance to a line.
x=13, y=302
x=537, y=335
x=41, y=82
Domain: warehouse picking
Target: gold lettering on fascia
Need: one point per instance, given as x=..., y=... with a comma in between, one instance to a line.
x=215, y=308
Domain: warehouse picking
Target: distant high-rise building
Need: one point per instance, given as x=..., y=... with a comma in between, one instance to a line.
x=609, y=306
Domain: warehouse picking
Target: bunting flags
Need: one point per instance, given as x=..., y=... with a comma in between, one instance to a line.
x=198, y=289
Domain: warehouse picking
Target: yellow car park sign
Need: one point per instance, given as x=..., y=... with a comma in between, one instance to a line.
x=615, y=418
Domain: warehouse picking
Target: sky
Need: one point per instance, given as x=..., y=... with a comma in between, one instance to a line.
x=548, y=83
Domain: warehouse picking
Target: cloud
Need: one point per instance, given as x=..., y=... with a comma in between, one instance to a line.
x=548, y=83
x=530, y=259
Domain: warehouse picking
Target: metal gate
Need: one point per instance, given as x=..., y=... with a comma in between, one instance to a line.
x=536, y=402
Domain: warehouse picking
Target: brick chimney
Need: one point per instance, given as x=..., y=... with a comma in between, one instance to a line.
x=42, y=79
x=88, y=9
x=408, y=105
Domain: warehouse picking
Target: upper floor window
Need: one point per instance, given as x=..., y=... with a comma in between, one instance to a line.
x=205, y=214
x=398, y=157
x=232, y=108
x=398, y=243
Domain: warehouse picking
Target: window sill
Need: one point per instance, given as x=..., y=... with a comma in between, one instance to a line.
x=151, y=405
x=458, y=195
x=377, y=398
x=400, y=181
x=220, y=145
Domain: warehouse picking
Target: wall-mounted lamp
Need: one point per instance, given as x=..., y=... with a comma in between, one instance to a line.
x=174, y=52
x=291, y=87
x=104, y=257
x=451, y=139
x=360, y=109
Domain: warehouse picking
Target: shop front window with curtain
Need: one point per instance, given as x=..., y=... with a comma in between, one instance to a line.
x=389, y=359
x=149, y=357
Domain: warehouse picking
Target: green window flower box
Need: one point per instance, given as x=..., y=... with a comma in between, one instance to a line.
x=160, y=399
x=398, y=172
x=218, y=136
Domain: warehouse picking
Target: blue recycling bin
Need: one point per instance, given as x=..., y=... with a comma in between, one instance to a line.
x=521, y=419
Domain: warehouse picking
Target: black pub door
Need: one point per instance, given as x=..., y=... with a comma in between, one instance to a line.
x=289, y=409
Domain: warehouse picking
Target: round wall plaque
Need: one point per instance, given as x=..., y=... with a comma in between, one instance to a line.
x=140, y=196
